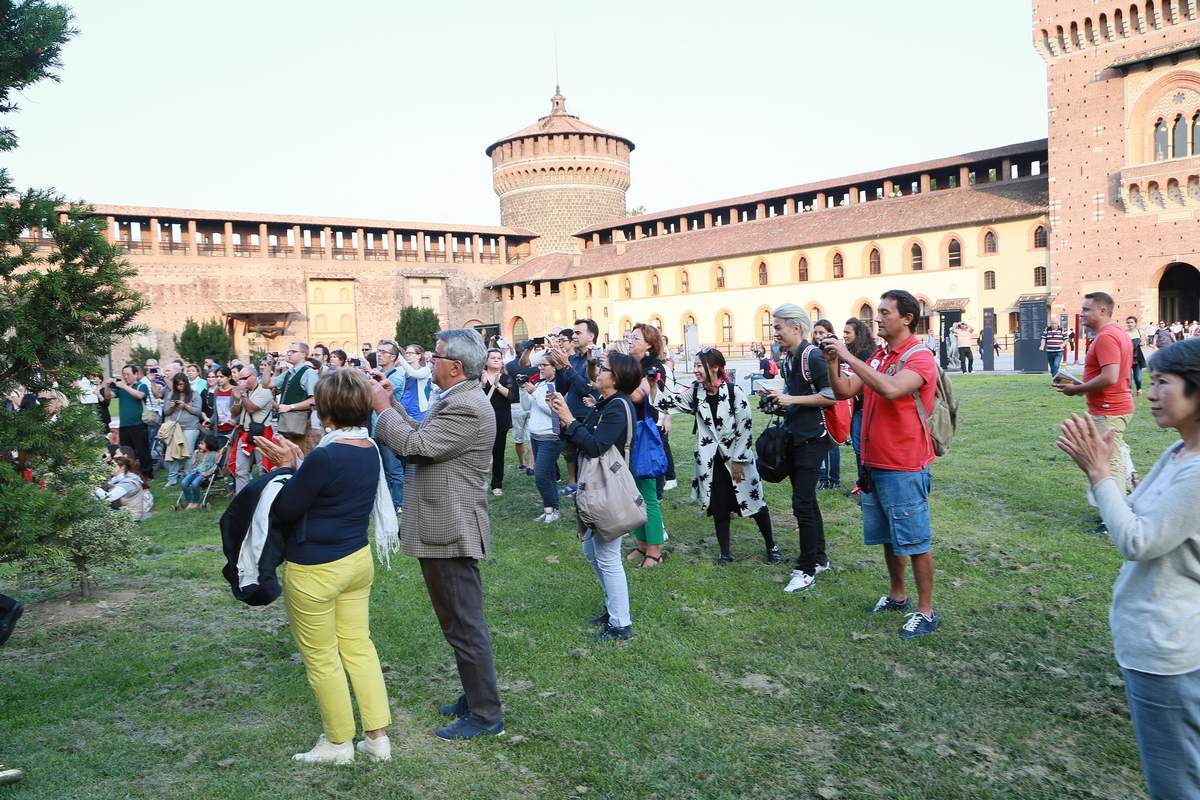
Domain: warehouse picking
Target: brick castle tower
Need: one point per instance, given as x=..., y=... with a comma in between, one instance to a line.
x=1124, y=110
x=559, y=176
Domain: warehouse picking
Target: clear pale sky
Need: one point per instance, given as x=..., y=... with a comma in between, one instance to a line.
x=363, y=108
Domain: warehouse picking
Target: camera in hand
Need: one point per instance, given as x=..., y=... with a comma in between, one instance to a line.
x=768, y=405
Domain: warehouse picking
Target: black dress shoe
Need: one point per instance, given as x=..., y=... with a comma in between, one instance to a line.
x=609, y=632
x=601, y=619
x=458, y=708
x=9, y=620
x=724, y=560
x=774, y=556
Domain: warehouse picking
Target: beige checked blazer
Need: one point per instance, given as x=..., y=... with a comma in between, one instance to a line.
x=449, y=454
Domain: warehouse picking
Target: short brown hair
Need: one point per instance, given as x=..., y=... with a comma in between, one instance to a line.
x=343, y=399
x=1103, y=299
x=653, y=337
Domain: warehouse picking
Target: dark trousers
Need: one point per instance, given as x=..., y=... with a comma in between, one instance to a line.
x=545, y=468
x=806, y=462
x=966, y=359
x=498, y=448
x=456, y=591
x=138, y=438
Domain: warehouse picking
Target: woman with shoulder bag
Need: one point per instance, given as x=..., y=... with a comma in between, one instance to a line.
x=181, y=406
x=726, y=480
x=645, y=344
x=607, y=425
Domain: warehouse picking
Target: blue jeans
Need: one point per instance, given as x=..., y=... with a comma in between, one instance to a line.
x=830, y=471
x=173, y=466
x=393, y=470
x=856, y=439
x=896, y=511
x=1166, y=721
x=605, y=558
x=1054, y=357
x=545, y=468
x=193, y=486
x=1135, y=377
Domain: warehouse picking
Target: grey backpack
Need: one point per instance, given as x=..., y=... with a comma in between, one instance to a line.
x=940, y=421
x=608, y=499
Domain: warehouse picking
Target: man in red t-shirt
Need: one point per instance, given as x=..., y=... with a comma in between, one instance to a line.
x=1105, y=377
x=896, y=452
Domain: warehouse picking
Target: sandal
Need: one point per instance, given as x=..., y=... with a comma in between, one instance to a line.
x=635, y=552
x=657, y=560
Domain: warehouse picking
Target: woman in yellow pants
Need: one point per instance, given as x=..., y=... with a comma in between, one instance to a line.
x=328, y=575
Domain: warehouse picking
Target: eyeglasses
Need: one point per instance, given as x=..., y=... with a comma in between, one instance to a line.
x=436, y=357
x=366, y=349
x=389, y=352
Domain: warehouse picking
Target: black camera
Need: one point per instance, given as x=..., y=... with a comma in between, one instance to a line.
x=768, y=405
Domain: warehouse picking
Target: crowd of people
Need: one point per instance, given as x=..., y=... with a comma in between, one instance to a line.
x=414, y=441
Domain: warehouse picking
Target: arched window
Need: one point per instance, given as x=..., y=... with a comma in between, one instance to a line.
x=720, y=273
x=1196, y=135
x=685, y=282
x=989, y=242
x=319, y=324
x=689, y=320
x=626, y=325
x=766, y=331
x=1179, y=134
x=604, y=289
x=318, y=295
x=762, y=273
x=627, y=288
x=1160, y=141
x=876, y=263
x=726, y=327
x=989, y=279
x=1039, y=276
x=343, y=297
x=656, y=322
x=520, y=331
x=839, y=266
x=815, y=312
x=589, y=292
x=954, y=253
x=1039, y=236
x=345, y=323
x=802, y=270
x=654, y=286
x=588, y=310
x=916, y=257
x=866, y=313
x=574, y=291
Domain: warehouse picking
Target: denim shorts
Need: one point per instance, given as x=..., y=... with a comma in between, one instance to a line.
x=897, y=511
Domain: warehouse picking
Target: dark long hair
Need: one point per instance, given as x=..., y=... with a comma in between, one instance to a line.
x=864, y=344
x=187, y=386
x=710, y=358
x=1181, y=358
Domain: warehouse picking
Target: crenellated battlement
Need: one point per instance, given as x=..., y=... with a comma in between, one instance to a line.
x=1062, y=29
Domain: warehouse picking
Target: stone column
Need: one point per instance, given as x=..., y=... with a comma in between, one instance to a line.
x=361, y=243
x=760, y=211
x=108, y=229
x=888, y=187
x=1006, y=169
x=734, y=216
x=475, y=248
x=327, y=242
x=638, y=233
x=263, y=241
x=820, y=204
x=789, y=206
x=298, y=238
x=924, y=182
x=154, y=234
x=227, y=239
x=191, y=237
x=595, y=240
x=683, y=224
x=660, y=227
x=448, y=246
x=421, y=246
x=391, y=245
x=707, y=219
x=964, y=176
x=852, y=195
x=502, y=249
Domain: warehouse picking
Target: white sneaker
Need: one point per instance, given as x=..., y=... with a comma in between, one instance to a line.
x=799, y=582
x=542, y=516
x=551, y=516
x=669, y=485
x=326, y=752
x=379, y=749
x=822, y=568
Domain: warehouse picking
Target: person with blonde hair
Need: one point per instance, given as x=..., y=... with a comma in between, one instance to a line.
x=337, y=491
x=806, y=392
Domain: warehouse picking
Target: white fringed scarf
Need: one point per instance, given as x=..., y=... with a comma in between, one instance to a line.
x=387, y=527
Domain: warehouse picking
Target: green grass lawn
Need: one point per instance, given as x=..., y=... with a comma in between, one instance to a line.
x=730, y=688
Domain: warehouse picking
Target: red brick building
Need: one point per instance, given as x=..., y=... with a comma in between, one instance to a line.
x=1124, y=145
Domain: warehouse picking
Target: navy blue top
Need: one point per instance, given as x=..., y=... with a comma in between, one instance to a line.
x=334, y=493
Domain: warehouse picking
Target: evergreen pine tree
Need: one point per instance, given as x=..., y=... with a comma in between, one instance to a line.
x=64, y=303
x=417, y=326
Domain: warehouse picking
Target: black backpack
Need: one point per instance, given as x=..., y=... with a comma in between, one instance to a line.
x=773, y=448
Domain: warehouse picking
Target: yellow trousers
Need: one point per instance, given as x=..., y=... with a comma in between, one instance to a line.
x=327, y=609
x=1116, y=464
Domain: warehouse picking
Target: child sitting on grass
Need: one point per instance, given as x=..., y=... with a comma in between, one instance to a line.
x=204, y=464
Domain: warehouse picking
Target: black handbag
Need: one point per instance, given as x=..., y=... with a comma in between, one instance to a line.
x=773, y=447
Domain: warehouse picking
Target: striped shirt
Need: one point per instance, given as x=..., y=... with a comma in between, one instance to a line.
x=1054, y=340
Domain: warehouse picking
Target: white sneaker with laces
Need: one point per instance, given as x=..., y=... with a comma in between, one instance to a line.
x=799, y=582
x=542, y=516
x=379, y=749
x=326, y=752
x=669, y=485
x=552, y=516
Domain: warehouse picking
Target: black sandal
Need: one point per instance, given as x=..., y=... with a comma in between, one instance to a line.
x=657, y=560
x=635, y=550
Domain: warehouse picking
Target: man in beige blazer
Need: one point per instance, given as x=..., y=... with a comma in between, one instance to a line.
x=445, y=521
